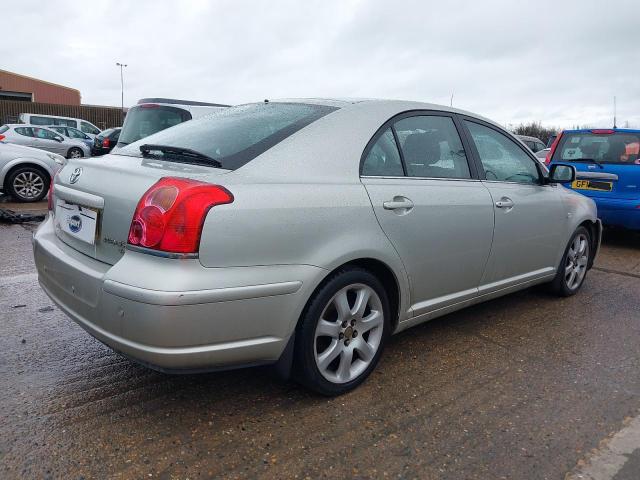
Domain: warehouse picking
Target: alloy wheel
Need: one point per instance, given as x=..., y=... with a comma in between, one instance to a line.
x=577, y=261
x=75, y=153
x=348, y=333
x=28, y=184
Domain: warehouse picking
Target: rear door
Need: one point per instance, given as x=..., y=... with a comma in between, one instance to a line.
x=430, y=204
x=24, y=136
x=530, y=222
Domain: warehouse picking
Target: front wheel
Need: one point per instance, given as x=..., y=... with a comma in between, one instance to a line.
x=75, y=153
x=572, y=270
x=342, y=332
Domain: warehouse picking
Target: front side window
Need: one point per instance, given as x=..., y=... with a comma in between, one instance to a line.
x=432, y=147
x=233, y=136
x=620, y=148
x=73, y=133
x=502, y=159
x=44, y=134
x=383, y=159
x=88, y=128
x=26, y=131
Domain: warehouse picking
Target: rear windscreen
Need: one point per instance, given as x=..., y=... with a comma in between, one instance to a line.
x=236, y=135
x=619, y=147
x=145, y=120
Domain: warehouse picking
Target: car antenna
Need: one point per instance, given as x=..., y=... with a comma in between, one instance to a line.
x=266, y=100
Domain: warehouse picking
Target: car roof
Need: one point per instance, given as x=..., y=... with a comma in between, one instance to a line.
x=375, y=104
x=174, y=101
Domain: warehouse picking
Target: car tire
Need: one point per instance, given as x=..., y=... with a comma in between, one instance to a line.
x=27, y=184
x=75, y=153
x=574, y=265
x=333, y=357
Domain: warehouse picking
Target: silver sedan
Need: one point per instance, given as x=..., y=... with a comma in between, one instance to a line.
x=45, y=139
x=302, y=233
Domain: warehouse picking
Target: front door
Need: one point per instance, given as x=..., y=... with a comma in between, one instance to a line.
x=437, y=216
x=45, y=139
x=530, y=223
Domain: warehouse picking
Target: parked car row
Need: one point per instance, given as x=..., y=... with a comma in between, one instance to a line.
x=304, y=233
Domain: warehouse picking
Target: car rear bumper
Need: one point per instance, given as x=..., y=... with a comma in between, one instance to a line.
x=232, y=318
x=619, y=212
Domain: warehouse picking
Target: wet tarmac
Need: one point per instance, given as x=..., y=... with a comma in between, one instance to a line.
x=527, y=386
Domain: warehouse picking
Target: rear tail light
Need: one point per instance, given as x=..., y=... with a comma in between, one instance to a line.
x=554, y=145
x=2, y=137
x=603, y=132
x=170, y=215
x=106, y=142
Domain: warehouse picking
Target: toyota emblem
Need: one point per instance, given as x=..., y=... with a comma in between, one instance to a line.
x=75, y=175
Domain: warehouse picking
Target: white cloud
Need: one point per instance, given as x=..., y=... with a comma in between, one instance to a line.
x=556, y=62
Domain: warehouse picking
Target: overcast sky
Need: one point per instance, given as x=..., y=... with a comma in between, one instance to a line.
x=558, y=62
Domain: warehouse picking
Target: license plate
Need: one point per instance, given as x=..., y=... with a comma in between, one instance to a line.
x=78, y=221
x=592, y=185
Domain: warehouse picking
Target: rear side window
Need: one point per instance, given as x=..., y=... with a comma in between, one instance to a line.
x=432, y=147
x=145, y=120
x=383, y=159
x=618, y=148
x=26, y=131
x=236, y=135
x=3, y=128
x=40, y=120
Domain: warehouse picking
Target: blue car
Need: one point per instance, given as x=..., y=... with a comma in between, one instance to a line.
x=613, y=152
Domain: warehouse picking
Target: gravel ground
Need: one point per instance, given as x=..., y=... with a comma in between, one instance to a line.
x=520, y=387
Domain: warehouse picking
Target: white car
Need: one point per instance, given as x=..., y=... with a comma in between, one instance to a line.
x=51, y=120
x=44, y=139
x=152, y=115
x=25, y=172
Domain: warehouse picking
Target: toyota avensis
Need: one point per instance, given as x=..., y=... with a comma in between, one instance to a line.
x=303, y=233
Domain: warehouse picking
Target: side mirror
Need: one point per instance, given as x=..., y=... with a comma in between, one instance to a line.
x=562, y=173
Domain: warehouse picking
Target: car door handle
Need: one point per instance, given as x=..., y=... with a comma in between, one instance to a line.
x=505, y=202
x=398, y=203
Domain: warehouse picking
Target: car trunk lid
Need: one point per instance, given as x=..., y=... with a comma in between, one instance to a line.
x=111, y=186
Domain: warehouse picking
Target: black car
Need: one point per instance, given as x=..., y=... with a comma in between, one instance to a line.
x=105, y=141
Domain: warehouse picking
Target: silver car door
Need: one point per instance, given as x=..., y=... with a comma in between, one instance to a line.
x=23, y=136
x=529, y=215
x=45, y=140
x=437, y=216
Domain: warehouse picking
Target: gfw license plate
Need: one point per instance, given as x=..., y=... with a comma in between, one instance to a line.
x=592, y=185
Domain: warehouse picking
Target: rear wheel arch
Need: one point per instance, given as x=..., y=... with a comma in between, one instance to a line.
x=592, y=228
x=382, y=272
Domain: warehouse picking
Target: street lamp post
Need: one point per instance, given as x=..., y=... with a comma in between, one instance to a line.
x=121, y=65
